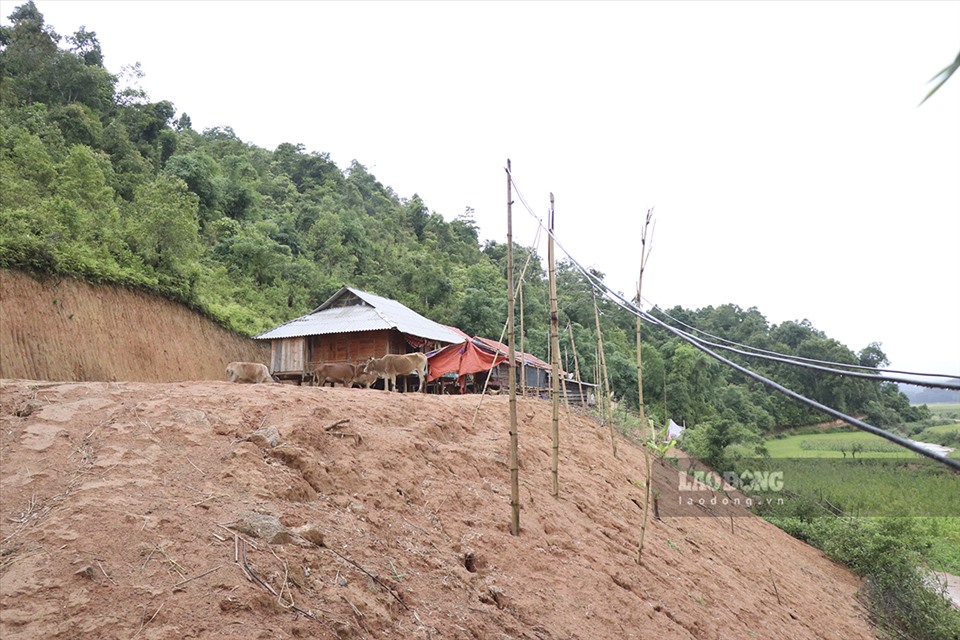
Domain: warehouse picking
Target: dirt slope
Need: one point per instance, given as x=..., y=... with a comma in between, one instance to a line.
x=63, y=329
x=118, y=501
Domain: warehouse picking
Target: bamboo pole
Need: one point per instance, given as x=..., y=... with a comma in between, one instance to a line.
x=512, y=375
x=608, y=394
x=596, y=369
x=554, y=359
x=604, y=387
x=576, y=364
x=644, y=256
x=523, y=358
x=596, y=378
x=666, y=415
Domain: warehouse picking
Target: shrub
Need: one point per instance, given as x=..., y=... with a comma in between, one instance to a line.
x=887, y=552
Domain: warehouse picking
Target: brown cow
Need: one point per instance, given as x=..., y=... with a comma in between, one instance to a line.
x=248, y=372
x=334, y=372
x=363, y=379
x=390, y=366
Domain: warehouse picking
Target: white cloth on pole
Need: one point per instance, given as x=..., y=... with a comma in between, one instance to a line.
x=674, y=430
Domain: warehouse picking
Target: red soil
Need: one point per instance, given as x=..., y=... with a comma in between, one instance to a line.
x=120, y=502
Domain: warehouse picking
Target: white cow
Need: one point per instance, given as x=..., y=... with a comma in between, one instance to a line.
x=248, y=372
x=391, y=365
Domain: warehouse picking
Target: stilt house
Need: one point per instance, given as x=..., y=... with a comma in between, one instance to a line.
x=351, y=326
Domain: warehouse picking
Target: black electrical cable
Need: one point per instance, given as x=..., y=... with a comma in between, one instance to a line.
x=780, y=357
x=794, y=357
x=785, y=359
x=852, y=374
x=635, y=310
x=892, y=437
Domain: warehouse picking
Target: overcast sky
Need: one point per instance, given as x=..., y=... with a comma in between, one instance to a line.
x=780, y=144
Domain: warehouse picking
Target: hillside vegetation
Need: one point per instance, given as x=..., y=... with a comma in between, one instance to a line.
x=104, y=184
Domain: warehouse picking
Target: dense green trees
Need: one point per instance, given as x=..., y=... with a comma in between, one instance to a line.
x=103, y=184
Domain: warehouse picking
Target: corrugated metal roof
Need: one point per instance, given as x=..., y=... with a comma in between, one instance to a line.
x=464, y=337
x=529, y=360
x=350, y=310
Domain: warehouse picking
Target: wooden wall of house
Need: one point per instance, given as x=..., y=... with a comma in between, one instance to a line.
x=354, y=347
x=582, y=394
x=287, y=355
x=536, y=378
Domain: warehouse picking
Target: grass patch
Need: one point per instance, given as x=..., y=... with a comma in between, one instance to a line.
x=833, y=444
x=947, y=434
x=946, y=410
x=910, y=524
x=872, y=487
x=944, y=551
x=943, y=428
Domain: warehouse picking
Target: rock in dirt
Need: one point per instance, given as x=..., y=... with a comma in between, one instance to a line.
x=265, y=437
x=86, y=571
x=310, y=533
x=27, y=408
x=263, y=526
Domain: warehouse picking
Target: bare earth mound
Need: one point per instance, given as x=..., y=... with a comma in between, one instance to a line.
x=121, y=504
x=63, y=329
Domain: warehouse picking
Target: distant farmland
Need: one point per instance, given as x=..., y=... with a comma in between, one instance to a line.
x=836, y=444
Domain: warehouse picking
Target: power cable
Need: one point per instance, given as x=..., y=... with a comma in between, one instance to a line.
x=892, y=437
x=637, y=311
x=852, y=374
x=786, y=359
x=795, y=357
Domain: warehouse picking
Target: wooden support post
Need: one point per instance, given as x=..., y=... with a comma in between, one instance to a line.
x=576, y=365
x=596, y=378
x=512, y=375
x=666, y=415
x=604, y=386
x=523, y=359
x=644, y=256
x=554, y=359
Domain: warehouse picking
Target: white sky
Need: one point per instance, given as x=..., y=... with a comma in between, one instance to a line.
x=780, y=143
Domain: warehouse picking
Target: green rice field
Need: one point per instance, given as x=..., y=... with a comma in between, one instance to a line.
x=945, y=409
x=834, y=444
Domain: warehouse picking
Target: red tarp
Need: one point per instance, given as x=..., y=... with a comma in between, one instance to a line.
x=526, y=358
x=461, y=359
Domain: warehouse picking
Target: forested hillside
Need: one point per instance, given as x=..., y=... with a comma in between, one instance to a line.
x=103, y=183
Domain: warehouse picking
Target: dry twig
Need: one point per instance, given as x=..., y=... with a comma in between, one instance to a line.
x=355, y=436
x=105, y=573
x=142, y=623
x=176, y=565
x=337, y=424
x=372, y=576
x=237, y=535
x=208, y=572
x=256, y=578
x=195, y=466
x=207, y=499
x=775, y=591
